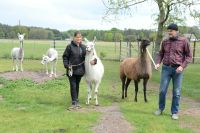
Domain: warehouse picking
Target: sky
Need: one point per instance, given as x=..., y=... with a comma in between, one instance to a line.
x=74, y=14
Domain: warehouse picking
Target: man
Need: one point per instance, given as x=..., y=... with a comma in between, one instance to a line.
x=175, y=53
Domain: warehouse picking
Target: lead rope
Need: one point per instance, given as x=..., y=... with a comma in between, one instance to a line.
x=70, y=69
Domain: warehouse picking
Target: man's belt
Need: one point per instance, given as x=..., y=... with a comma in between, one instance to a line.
x=172, y=65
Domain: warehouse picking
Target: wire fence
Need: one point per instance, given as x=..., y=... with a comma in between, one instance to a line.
x=34, y=49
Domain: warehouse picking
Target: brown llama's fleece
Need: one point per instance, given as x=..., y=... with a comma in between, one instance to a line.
x=136, y=68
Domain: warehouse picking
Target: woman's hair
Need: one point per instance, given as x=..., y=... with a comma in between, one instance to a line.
x=76, y=33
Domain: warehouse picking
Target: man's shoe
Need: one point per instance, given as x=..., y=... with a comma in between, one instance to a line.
x=158, y=112
x=175, y=116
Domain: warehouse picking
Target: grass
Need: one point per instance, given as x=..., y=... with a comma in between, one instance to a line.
x=29, y=107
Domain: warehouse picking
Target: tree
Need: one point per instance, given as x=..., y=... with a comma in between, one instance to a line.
x=108, y=36
x=168, y=11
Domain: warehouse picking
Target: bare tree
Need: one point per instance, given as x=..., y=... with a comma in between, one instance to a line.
x=175, y=9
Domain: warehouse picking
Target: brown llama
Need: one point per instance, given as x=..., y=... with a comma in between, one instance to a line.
x=136, y=69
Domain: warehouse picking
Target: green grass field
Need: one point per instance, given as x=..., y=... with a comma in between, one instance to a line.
x=27, y=107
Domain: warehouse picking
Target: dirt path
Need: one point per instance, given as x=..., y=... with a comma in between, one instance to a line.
x=112, y=121
x=38, y=77
x=193, y=110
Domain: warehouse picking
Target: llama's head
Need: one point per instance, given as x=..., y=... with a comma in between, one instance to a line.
x=21, y=37
x=144, y=43
x=45, y=59
x=90, y=45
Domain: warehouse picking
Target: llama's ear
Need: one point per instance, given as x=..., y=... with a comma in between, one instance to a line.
x=94, y=39
x=86, y=40
x=43, y=55
x=24, y=34
x=18, y=34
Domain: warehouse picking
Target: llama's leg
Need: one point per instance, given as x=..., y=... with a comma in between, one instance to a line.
x=126, y=87
x=123, y=85
x=96, y=92
x=13, y=64
x=51, y=70
x=55, y=63
x=21, y=67
x=136, y=89
x=16, y=64
x=89, y=92
x=46, y=66
x=144, y=88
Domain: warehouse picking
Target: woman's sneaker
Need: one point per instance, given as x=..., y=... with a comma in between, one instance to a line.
x=175, y=116
x=72, y=107
x=158, y=112
x=78, y=106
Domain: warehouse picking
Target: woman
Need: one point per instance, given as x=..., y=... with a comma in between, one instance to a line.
x=73, y=60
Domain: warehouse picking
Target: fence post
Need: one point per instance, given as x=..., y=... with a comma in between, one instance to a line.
x=129, y=49
x=54, y=43
x=194, y=52
x=138, y=47
x=120, y=49
x=153, y=46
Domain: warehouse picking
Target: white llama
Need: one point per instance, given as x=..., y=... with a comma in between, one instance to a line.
x=93, y=73
x=17, y=54
x=51, y=58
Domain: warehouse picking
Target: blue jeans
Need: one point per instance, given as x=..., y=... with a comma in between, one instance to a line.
x=167, y=74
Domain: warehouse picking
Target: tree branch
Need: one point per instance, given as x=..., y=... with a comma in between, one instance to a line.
x=122, y=4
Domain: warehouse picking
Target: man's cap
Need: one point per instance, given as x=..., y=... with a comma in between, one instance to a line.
x=172, y=27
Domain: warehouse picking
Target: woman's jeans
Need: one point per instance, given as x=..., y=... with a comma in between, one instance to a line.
x=167, y=74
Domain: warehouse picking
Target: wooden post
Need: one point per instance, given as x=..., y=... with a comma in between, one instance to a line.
x=120, y=49
x=54, y=43
x=153, y=46
x=129, y=49
x=115, y=46
x=194, y=52
x=138, y=47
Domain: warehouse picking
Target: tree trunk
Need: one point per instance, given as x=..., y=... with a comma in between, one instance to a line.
x=159, y=37
x=161, y=22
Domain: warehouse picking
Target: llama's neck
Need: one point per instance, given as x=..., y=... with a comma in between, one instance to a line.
x=144, y=64
x=92, y=54
x=143, y=58
x=21, y=44
x=21, y=50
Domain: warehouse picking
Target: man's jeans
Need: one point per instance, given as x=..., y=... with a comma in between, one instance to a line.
x=167, y=74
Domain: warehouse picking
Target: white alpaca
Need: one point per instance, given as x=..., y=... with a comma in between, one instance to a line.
x=93, y=73
x=51, y=58
x=17, y=54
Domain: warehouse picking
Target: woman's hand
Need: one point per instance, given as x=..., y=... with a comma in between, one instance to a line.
x=93, y=62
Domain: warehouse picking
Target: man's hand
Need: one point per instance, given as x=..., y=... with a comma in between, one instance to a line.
x=179, y=69
x=157, y=66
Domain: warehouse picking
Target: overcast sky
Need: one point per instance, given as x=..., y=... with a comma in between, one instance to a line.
x=73, y=14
